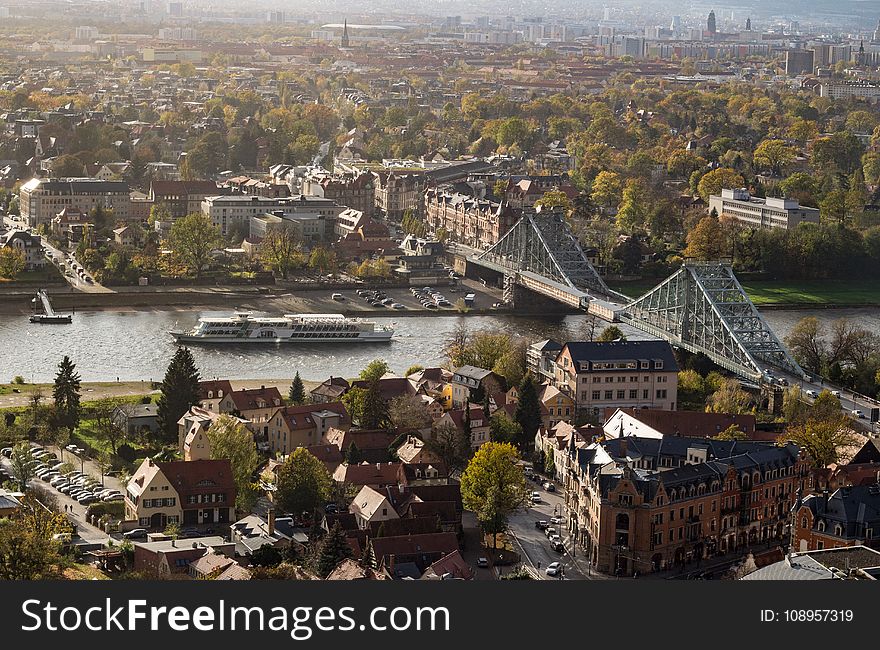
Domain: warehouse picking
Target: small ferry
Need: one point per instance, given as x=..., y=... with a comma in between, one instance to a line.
x=49, y=315
x=244, y=327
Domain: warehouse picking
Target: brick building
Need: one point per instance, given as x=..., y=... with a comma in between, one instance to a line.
x=648, y=504
x=849, y=516
x=478, y=223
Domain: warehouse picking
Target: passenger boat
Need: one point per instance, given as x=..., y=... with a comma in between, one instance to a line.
x=244, y=327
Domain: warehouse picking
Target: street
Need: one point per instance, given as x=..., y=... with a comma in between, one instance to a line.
x=533, y=542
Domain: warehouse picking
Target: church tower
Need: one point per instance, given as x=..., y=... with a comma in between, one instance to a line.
x=345, y=33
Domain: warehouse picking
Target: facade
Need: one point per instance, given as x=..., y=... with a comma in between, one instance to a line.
x=181, y=197
x=843, y=90
x=644, y=505
x=256, y=405
x=30, y=246
x=541, y=359
x=655, y=423
x=756, y=212
x=235, y=211
x=618, y=374
x=850, y=516
x=41, y=199
x=351, y=190
x=290, y=427
x=395, y=193
x=470, y=384
x=136, y=417
x=168, y=557
x=798, y=62
x=478, y=223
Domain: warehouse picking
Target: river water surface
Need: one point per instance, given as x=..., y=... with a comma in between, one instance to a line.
x=135, y=345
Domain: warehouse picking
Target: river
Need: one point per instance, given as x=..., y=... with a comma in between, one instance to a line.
x=135, y=345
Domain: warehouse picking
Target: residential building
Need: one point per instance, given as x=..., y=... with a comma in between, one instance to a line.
x=256, y=405
x=541, y=359
x=254, y=531
x=234, y=212
x=397, y=192
x=849, y=516
x=618, y=374
x=756, y=212
x=166, y=558
x=375, y=475
x=184, y=492
x=290, y=427
x=330, y=390
x=798, y=62
x=67, y=225
x=192, y=432
x=136, y=418
x=843, y=563
x=211, y=392
x=371, y=506
x=648, y=504
x=30, y=246
x=850, y=88
x=41, y=199
x=309, y=228
x=354, y=190
x=479, y=423
x=478, y=223
x=471, y=384
x=181, y=197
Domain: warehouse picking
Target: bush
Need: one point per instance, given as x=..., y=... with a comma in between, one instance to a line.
x=114, y=509
x=19, y=380
x=126, y=452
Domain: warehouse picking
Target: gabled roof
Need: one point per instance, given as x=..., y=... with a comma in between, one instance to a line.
x=379, y=474
x=197, y=476
x=249, y=399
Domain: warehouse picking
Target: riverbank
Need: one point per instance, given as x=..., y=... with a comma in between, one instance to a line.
x=779, y=294
x=97, y=390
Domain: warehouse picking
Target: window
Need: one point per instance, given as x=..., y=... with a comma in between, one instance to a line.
x=658, y=365
x=621, y=379
x=597, y=380
x=609, y=394
x=645, y=394
x=633, y=394
x=596, y=394
x=661, y=394
x=658, y=538
x=626, y=500
x=621, y=394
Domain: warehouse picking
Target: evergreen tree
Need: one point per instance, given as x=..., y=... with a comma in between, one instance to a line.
x=178, y=393
x=353, y=455
x=334, y=549
x=528, y=411
x=374, y=414
x=66, y=394
x=297, y=392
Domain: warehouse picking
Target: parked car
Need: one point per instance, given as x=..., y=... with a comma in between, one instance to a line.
x=542, y=524
x=338, y=296
x=557, y=520
x=550, y=531
x=836, y=393
x=553, y=569
x=137, y=533
x=557, y=546
x=482, y=562
x=811, y=393
x=857, y=413
x=549, y=486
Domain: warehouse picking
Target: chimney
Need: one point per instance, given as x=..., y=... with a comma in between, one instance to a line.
x=262, y=388
x=271, y=521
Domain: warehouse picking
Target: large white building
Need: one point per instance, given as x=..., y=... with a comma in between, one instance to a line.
x=235, y=211
x=844, y=89
x=41, y=199
x=756, y=212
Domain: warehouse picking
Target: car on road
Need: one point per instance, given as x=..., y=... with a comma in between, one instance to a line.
x=556, y=520
x=811, y=393
x=553, y=569
x=836, y=393
x=542, y=524
x=549, y=486
x=137, y=533
x=550, y=531
x=857, y=413
x=397, y=305
x=557, y=545
x=338, y=296
x=482, y=562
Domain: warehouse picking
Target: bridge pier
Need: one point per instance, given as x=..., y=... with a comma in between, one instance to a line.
x=530, y=302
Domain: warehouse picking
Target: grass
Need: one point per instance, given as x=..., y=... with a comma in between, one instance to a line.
x=787, y=292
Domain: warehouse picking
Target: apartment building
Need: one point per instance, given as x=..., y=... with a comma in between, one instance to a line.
x=397, y=192
x=648, y=504
x=844, y=89
x=181, y=197
x=41, y=199
x=290, y=427
x=756, y=212
x=849, y=516
x=478, y=223
x=618, y=374
x=183, y=492
x=235, y=212
x=355, y=190
x=30, y=246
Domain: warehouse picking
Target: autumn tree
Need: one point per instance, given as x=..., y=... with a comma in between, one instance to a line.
x=12, y=263
x=709, y=240
x=280, y=250
x=718, y=179
x=729, y=398
x=231, y=440
x=493, y=486
x=303, y=483
x=806, y=342
x=193, y=238
x=611, y=333
x=773, y=155
x=451, y=445
x=823, y=436
x=408, y=413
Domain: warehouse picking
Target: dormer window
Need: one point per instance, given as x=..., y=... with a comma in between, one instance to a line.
x=658, y=365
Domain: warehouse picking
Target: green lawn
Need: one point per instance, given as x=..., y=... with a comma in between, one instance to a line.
x=780, y=292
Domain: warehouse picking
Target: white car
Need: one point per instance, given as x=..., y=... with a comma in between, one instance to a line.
x=811, y=393
x=857, y=413
x=553, y=569
x=836, y=393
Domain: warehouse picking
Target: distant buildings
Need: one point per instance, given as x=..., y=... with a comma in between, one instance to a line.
x=478, y=223
x=235, y=211
x=41, y=199
x=798, y=62
x=756, y=212
x=30, y=246
x=842, y=89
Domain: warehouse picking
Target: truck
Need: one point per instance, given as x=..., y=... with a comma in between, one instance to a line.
x=469, y=299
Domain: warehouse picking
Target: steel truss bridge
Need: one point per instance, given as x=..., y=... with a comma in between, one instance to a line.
x=701, y=307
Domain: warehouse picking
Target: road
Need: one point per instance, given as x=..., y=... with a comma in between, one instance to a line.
x=533, y=542
x=88, y=534
x=63, y=261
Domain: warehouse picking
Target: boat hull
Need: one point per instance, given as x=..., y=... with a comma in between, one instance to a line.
x=183, y=337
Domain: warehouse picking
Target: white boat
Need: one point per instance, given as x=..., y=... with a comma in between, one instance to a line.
x=244, y=327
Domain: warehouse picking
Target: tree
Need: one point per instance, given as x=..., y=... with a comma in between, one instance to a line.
x=457, y=347
x=303, y=483
x=493, y=486
x=773, y=155
x=451, y=445
x=413, y=369
x=729, y=398
x=606, y=189
x=159, y=212
x=822, y=436
x=322, y=259
x=193, y=238
x=179, y=392
x=554, y=199
x=375, y=370
x=297, y=393
x=832, y=208
x=231, y=440
x=733, y=432
x=333, y=549
x=633, y=209
x=708, y=240
x=718, y=179
x=12, y=262
x=67, y=166
x=106, y=428
x=528, y=411
x=66, y=394
x=22, y=465
x=374, y=409
x=25, y=553
x=806, y=342
x=407, y=413
x=512, y=364
x=280, y=249
x=611, y=333
x=353, y=455
x=503, y=429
